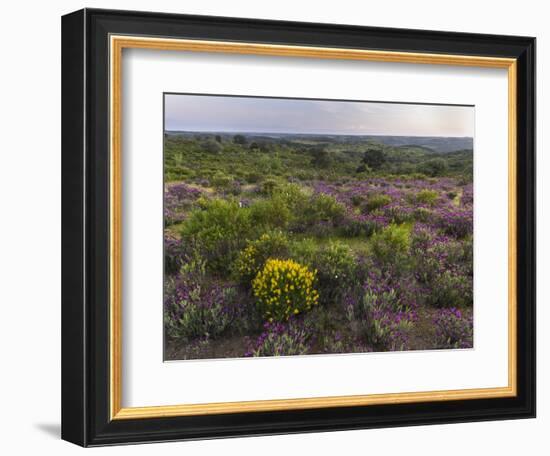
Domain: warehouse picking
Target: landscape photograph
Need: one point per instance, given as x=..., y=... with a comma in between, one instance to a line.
x=316, y=227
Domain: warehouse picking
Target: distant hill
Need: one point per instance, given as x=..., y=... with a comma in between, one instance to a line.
x=437, y=144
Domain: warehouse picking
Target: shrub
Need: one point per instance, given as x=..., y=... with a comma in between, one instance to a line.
x=391, y=243
x=280, y=339
x=374, y=156
x=336, y=270
x=270, y=213
x=293, y=196
x=252, y=259
x=352, y=225
x=321, y=158
x=377, y=201
x=212, y=147
x=399, y=214
x=427, y=197
x=269, y=186
x=374, y=319
x=453, y=329
x=422, y=214
x=457, y=222
x=221, y=181
x=326, y=207
x=178, y=199
x=173, y=255
x=321, y=208
x=284, y=288
x=304, y=251
x=219, y=231
x=239, y=139
x=234, y=188
x=195, y=308
x=435, y=254
x=434, y=167
x=322, y=229
x=465, y=256
x=451, y=289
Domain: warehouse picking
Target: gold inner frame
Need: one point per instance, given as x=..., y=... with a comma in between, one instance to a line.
x=117, y=44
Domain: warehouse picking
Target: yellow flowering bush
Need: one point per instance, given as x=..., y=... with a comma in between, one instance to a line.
x=284, y=288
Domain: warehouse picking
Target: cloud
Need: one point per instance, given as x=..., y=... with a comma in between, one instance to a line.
x=278, y=115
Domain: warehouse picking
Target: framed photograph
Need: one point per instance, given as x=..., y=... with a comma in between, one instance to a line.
x=278, y=227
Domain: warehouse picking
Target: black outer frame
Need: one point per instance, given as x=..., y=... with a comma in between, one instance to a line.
x=85, y=227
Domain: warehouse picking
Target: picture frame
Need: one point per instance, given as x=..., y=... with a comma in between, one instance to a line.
x=92, y=173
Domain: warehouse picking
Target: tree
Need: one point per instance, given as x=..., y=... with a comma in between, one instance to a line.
x=218, y=138
x=374, y=157
x=239, y=139
x=321, y=158
x=434, y=167
x=212, y=147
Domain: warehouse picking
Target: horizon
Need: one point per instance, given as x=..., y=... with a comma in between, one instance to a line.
x=297, y=116
x=259, y=133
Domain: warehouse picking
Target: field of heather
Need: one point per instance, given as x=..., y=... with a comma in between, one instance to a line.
x=292, y=248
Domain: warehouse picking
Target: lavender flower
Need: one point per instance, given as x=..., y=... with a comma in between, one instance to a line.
x=281, y=339
x=453, y=329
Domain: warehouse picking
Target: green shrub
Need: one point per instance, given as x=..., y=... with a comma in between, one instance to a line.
x=399, y=214
x=321, y=158
x=293, y=196
x=270, y=213
x=219, y=231
x=371, y=319
x=321, y=208
x=326, y=207
x=196, y=308
x=377, y=201
x=212, y=147
x=451, y=289
x=269, y=186
x=427, y=197
x=284, y=288
x=352, y=227
x=392, y=243
x=336, y=270
x=252, y=259
x=304, y=251
x=197, y=320
x=434, y=167
x=423, y=214
x=221, y=181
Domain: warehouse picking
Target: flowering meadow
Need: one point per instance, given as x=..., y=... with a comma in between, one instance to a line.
x=286, y=246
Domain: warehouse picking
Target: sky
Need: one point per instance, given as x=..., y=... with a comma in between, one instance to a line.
x=275, y=115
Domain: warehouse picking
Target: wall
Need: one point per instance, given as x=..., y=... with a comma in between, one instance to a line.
x=30, y=240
